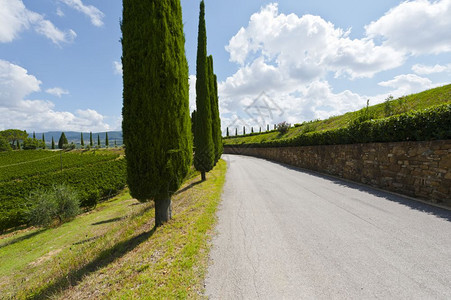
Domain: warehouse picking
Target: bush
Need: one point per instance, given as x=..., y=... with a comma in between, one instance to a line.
x=283, y=127
x=70, y=146
x=60, y=203
x=4, y=145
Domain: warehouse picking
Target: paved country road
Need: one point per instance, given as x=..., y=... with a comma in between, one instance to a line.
x=287, y=234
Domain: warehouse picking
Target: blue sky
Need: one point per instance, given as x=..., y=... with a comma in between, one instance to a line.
x=303, y=60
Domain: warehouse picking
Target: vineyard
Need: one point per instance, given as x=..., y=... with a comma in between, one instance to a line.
x=93, y=174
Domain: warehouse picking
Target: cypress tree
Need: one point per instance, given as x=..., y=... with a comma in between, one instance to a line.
x=252, y=129
x=236, y=131
x=107, y=143
x=82, y=142
x=34, y=135
x=90, y=139
x=43, y=141
x=62, y=141
x=115, y=144
x=204, y=156
x=215, y=119
x=98, y=140
x=267, y=127
x=260, y=129
x=244, y=130
x=53, y=143
x=156, y=120
x=193, y=124
x=227, y=133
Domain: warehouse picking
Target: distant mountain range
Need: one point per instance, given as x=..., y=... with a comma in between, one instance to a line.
x=75, y=137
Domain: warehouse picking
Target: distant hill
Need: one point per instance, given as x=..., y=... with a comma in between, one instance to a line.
x=75, y=137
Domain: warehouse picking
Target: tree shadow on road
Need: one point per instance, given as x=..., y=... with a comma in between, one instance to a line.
x=403, y=200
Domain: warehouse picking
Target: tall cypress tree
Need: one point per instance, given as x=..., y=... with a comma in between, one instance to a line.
x=204, y=156
x=43, y=141
x=98, y=140
x=107, y=143
x=34, y=135
x=156, y=120
x=244, y=130
x=90, y=139
x=82, y=142
x=53, y=143
x=227, y=134
x=215, y=119
x=62, y=141
x=236, y=131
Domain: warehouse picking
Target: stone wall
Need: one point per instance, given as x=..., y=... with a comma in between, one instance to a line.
x=417, y=169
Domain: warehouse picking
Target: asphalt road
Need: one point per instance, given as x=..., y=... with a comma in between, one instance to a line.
x=287, y=234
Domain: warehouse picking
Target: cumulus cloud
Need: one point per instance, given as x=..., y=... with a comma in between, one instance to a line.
x=117, y=67
x=15, y=18
x=426, y=70
x=308, y=47
x=39, y=115
x=95, y=14
x=408, y=84
x=58, y=92
x=416, y=27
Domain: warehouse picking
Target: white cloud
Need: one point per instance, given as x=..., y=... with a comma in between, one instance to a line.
x=95, y=14
x=426, y=70
x=192, y=92
x=58, y=92
x=307, y=47
x=408, y=84
x=117, y=66
x=39, y=115
x=289, y=58
x=59, y=12
x=416, y=27
x=15, y=17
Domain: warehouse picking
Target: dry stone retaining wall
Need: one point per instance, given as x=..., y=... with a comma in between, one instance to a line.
x=418, y=169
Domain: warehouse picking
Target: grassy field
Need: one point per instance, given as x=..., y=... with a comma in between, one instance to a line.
x=114, y=251
x=418, y=101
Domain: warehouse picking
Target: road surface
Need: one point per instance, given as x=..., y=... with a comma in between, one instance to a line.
x=287, y=234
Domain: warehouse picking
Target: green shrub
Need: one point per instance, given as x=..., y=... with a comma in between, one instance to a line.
x=60, y=203
x=283, y=127
x=4, y=145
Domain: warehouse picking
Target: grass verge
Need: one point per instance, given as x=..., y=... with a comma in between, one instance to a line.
x=115, y=251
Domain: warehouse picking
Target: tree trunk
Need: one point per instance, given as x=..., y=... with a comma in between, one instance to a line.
x=203, y=176
x=163, y=210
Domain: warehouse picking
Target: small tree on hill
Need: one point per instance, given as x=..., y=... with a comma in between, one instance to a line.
x=43, y=141
x=62, y=141
x=98, y=140
x=90, y=139
x=53, y=143
x=236, y=131
x=34, y=135
x=227, y=132
x=82, y=142
x=244, y=130
x=107, y=142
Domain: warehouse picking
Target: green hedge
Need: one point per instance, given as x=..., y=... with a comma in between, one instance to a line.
x=429, y=124
x=92, y=183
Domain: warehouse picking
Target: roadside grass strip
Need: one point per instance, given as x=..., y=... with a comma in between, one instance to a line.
x=115, y=251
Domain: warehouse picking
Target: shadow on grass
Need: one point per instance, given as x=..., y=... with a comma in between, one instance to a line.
x=107, y=221
x=188, y=187
x=22, y=238
x=105, y=258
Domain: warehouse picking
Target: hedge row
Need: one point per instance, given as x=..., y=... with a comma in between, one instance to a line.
x=429, y=124
x=92, y=183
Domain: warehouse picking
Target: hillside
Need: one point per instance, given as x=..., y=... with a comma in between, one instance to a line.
x=436, y=96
